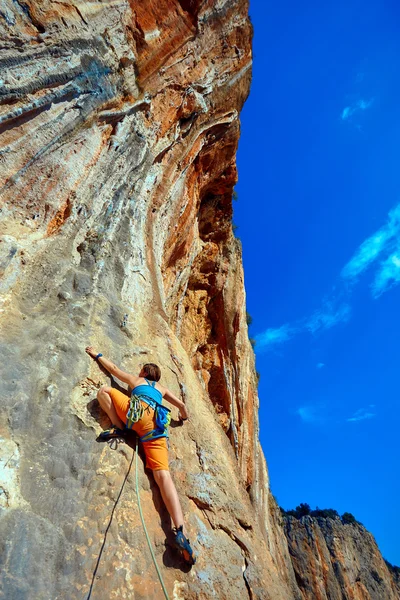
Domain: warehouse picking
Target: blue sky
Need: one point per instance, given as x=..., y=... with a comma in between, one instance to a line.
x=318, y=213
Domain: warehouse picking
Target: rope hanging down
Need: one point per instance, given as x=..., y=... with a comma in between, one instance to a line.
x=114, y=446
x=144, y=524
x=108, y=526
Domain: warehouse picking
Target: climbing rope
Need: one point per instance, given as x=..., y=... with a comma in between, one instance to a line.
x=107, y=529
x=113, y=444
x=144, y=524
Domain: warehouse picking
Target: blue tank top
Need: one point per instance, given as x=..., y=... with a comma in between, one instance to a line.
x=148, y=390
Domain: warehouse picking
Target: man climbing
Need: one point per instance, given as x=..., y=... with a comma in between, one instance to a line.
x=144, y=413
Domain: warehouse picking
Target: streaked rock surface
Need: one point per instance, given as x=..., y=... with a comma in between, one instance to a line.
x=336, y=561
x=119, y=124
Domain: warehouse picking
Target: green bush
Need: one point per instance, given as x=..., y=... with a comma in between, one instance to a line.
x=326, y=513
x=348, y=519
x=392, y=568
x=304, y=509
x=301, y=511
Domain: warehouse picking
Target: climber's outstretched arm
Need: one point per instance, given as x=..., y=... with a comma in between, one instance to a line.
x=169, y=396
x=112, y=368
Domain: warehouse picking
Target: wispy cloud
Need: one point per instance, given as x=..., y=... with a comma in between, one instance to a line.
x=387, y=276
x=274, y=337
x=322, y=319
x=358, y=106
x=310, y=414
x=382, y=250
x=320, y=414
x=362, y=413
x=383, y=239
x=328, y=317
x=320, y=365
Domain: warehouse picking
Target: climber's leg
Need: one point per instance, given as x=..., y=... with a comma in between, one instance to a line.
x=171, y=500
x=169, y=495
x=104, y=398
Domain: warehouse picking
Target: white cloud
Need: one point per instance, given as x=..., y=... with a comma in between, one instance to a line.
x=384, y=244
x=309, y=414
x=346, y=113
x=273, y=337
x=319, y=414
x=361, y=414
x=327, y=317
x=321, y=320
x=387, y=276
x=320, y=365
x=373, y=246
x=367, y=253
x=360, y=105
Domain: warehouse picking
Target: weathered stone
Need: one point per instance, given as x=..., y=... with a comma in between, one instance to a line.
x=336, y=561
x=119, y=128
x=119, y=124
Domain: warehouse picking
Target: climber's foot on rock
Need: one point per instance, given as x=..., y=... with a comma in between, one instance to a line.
x=183, y=545
x=111, y=434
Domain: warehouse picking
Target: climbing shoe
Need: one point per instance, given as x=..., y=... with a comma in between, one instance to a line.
x=111, y=434
x=183, y=545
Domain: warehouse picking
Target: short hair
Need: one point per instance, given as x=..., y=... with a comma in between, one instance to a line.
x=152, y=371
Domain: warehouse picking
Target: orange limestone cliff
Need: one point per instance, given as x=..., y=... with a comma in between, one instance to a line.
x=119, y=124
x=336, y=558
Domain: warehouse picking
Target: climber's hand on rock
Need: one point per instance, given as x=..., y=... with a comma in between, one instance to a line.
x=91, y=351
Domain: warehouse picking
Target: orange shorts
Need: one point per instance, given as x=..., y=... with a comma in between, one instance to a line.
x=156, y=451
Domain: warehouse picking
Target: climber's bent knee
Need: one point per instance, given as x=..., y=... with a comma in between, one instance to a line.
x=120, y=401
x=161, y=474
x=104, y=389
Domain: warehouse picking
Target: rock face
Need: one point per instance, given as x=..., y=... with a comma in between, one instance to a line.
x=336, y=561
x=119, y=124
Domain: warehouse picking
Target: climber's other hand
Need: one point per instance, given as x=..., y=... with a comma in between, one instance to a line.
x=182, y=419
x=91, y=351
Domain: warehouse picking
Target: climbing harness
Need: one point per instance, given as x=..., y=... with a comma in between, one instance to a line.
x=144, y=524
x=163, y=419
x=136, y=410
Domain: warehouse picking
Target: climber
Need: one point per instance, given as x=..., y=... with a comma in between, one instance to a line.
x=149, y=394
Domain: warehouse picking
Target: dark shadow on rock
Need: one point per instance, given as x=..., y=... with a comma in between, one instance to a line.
x=115, y=384
x=98, y=413
x=171, y=556
x=176, y=423
x=130, y=440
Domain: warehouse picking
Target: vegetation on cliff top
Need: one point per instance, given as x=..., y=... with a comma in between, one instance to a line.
x=304, y=510
x=392, y=568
